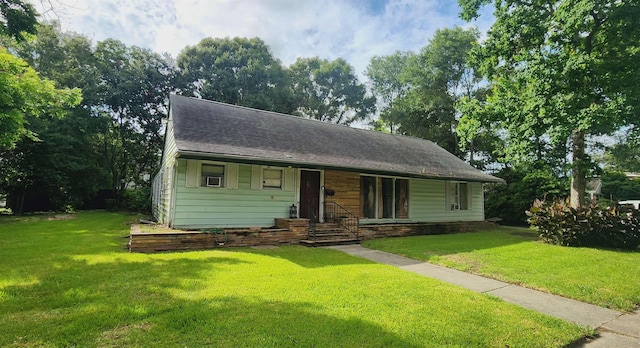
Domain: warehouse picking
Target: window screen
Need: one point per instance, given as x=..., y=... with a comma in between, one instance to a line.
x=272, y=178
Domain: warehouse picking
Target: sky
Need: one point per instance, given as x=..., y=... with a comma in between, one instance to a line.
x=355, y=30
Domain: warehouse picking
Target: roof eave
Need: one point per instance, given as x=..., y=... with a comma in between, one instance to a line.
x=298, y=164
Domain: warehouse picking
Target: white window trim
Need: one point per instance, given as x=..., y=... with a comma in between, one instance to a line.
x=449, y=195
x=282, y=175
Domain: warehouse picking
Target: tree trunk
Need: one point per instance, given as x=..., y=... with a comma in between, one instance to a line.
x=471, y=153
x=578, y=170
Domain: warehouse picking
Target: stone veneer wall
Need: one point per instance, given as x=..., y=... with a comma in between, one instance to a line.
x=371, y=231
x=287, y=231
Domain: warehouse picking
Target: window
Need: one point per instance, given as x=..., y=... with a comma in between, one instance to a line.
x=402, y=198
x=212, y=175
x=272, y=179
x=387, y=198
x=457, y=196
x=384, y=197
x=368, y=196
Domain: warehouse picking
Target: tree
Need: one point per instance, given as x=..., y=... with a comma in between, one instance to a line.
x=61, y=166
x=616, y=186
x=422, y=91
x=560, y=71
x=624, y=156
x=133, y=95
x=523, y=183
x=236, y=71
x=23, y=92
x=385, y=78
x=329, y=91
x=112, y=139
x=16, y=18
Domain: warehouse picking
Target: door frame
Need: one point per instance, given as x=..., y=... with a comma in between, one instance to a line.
x=320, y=190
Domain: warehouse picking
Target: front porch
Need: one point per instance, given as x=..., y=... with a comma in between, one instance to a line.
x=154, y=238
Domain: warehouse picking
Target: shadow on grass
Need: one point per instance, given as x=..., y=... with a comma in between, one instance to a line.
x=59, y=288
x=425, y=247
x=155, y=302
x=309, y=257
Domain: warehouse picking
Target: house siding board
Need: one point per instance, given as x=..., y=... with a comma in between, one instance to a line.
x=427, y=203
x=165, y=177
x=170, y=148
x=222, y=207
x=347, y=188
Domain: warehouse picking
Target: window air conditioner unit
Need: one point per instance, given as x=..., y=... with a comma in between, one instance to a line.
x=214, y=181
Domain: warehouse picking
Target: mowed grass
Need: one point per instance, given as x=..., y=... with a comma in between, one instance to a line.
x=72, y=283
x=607, y=278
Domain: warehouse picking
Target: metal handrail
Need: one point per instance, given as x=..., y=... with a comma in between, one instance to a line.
x=334, y=212
x=313, y=219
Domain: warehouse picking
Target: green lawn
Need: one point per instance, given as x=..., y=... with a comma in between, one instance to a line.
x=603, y=277
x=72, y=283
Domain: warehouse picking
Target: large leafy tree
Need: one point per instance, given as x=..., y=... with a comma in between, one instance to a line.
x=560, y=71
x=112, y=139
x=385, y=78
x=329, y=91
x=23, y=93
x=440, y=75
x=237, y=71
x=16, y=18
x=60, y=167
x=421, y=92
x=133, y=95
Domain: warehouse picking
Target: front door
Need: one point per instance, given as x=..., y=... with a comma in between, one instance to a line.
x=309, y=194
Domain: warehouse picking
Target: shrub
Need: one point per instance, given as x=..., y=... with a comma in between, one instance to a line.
x=138, y=200
x=617, y=186
x=591, y=226
x=510, y=201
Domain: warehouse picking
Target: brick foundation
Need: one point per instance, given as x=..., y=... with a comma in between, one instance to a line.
x=287, y=231
x=371, y=231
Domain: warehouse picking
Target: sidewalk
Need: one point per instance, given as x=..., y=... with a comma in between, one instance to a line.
x=616, y=329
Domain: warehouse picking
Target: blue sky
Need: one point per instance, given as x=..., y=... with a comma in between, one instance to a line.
x=352, y=29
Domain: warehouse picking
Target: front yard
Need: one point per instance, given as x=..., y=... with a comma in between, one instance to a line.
x=607, y=278
x=70, y=282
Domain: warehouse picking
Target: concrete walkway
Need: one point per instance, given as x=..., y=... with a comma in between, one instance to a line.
x=616, y=329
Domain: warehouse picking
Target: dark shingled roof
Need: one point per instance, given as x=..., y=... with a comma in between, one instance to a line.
x=207, y=129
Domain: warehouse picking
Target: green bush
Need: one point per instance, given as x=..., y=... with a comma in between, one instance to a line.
x=591, y=226
x=616, y=185
x=509, y=201
x=138, y=200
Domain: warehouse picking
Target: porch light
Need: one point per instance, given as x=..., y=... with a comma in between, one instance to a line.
x=293, y=211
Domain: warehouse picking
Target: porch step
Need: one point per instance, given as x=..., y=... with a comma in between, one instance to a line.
x=329, y=233
x=328, y=226
x=328, y=242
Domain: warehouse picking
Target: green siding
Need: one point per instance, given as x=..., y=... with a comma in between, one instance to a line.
x=427, y=203
x=224, y=207
x=199, y=207
x=163, y=203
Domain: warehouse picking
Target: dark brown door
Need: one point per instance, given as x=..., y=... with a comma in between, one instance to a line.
x=309, y=194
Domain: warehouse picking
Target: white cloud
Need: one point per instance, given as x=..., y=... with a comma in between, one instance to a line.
x=292, y=28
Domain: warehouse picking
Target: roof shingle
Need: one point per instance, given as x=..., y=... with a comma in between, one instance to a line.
x=217, y=130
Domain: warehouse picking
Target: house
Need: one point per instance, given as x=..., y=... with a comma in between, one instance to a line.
x=594, y=188
x=228, y=166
